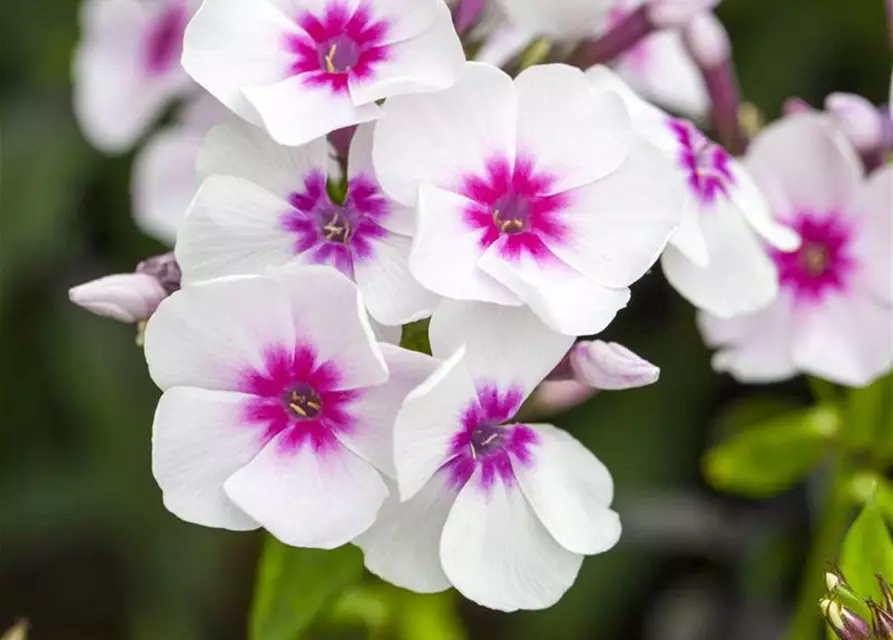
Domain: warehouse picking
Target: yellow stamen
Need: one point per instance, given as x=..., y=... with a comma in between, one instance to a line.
x=297, y=409
x=330, y=65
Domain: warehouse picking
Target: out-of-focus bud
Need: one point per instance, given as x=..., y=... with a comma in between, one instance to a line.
x=466, y=14
x=608, y=365
x=796, y=105
x=707, y=40
x=126, y=297
x=881, y=622
x=672, y=14
x=858, y=119
x=555, y=396
x=846, y=624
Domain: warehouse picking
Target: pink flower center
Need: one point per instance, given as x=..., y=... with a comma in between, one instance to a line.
x=706, y=163
x=484, y=440
x=336, y=234
x=165, y=40
x=822, y=263
x=337, y=45
x=296, y=393
x=514, y=204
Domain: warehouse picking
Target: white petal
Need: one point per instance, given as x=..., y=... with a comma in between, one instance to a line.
x=403, y=546
x=429, y=61
x=554, y=396
x=560, y=19
x=665, y=73
x=328, y=312
x=406, y=18
x=376, y=409
x=748, y=197
x=503, y=44
x=563, y=298
x=231, y=44
x=570, y=491
x=295, y=113
x=306, y=498
x=391, y=293
x=430, y=416
x=755, y=348
x=400, y=219
x=740, y=278
x=688, y=238
x=506, y=345
x=236, y=148
x=233, y=227
x=497, y=553
x=386, y=334
x=873, y=217
x=446, y=251
x=199, y=440
x=164, y=181
x=569, y=129
x=608, y=365
x=437, y=139
x=206, y=334
x=847, y=339
x=619, y=225
x=801, y=163
x=115, y=99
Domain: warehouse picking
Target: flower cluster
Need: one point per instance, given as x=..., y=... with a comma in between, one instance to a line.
x=346, y=172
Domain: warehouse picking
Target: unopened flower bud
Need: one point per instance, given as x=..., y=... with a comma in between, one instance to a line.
x=858, y=119
x=555, y=396
x=164, y=269
x=881, y=622
x=672, y=14
x=707, y=41
x=126, y=297
x=796, y=105
x=846, y=624
x=608, y=365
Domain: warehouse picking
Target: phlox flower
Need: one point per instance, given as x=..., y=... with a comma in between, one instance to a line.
x=127, y=67
x=716, y=259
x=164, y=178
x=265, y=205
x=303, y=68
x=503, y=511
x=834, y=315
x=278, y=405
x=534, y=191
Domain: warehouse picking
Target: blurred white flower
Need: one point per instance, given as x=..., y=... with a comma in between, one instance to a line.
x=265, y=205
x=716, y=259
x=502, y=511
x=834, y=315
x=278, y=405
x=534, y=191
x=127, y=67
x=303, y=68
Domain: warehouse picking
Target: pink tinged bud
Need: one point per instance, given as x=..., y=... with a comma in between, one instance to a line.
x=796, y=105
x=707, y=41
x=845, y=623
x=126, y=297
x=555, y=396
x=672, y=14
x=610, y=366
x=858, y=119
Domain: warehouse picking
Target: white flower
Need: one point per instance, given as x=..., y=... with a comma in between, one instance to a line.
x=558, y=19
x=533, y=191
x=502, y=511
x=303, y=68
x=126, y=297
x=278, y=405
x=164, y=179
x=716, y=258
x=266, y=205
x=127, y=67
x=834, y=315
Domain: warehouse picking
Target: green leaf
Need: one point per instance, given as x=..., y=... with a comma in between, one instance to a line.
x=430, y=617
x=294, y=586
x=867, y=551
x=869, y=414
x=415, y=337
x=768, y=458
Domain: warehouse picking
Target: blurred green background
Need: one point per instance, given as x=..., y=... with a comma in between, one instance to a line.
x=88, y=552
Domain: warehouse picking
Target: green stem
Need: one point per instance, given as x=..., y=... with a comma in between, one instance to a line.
x=832, y=526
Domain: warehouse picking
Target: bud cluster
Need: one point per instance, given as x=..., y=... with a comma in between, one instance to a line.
x=845, y=621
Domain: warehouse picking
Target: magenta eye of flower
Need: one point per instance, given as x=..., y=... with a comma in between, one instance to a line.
x=165, y=41
x=486, y=439
x=511, y=214
x=339, y=54
x=303, y=401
